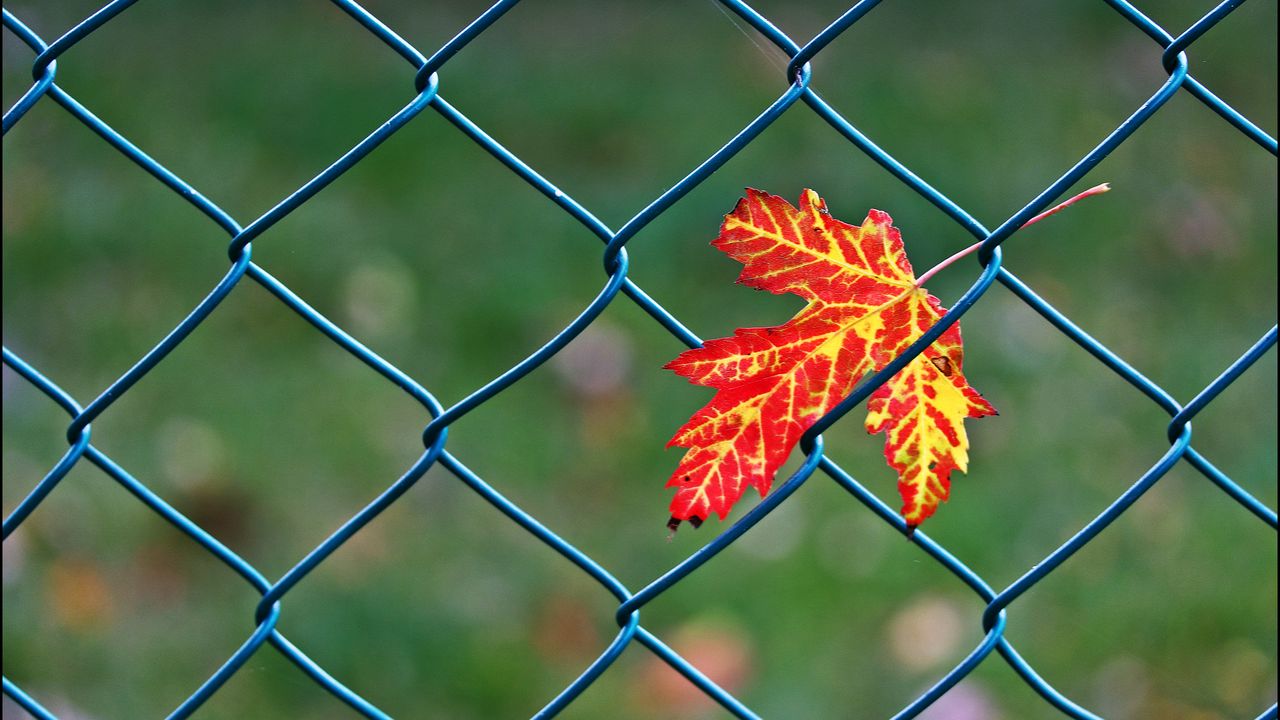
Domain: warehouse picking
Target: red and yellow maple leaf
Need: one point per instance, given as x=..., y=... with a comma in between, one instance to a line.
x=772, y=384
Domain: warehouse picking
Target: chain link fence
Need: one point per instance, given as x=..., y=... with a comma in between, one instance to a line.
x=800, y=96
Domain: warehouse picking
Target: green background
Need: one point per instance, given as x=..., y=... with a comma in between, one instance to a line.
x=451, y=267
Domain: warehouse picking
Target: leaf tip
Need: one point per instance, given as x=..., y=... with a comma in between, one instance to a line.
x=879, y=217
x=673, y=524
x=810, y=198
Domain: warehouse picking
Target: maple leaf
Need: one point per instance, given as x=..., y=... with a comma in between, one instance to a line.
x=772, y=384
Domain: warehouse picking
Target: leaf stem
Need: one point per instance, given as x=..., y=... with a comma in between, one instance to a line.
x=1095, y=190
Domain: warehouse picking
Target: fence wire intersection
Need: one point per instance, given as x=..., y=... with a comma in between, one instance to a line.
x=799, y=89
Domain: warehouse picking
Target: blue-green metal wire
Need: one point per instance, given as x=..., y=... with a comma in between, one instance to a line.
x=437, y=419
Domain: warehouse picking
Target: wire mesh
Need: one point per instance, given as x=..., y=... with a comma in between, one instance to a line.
x=799, y=91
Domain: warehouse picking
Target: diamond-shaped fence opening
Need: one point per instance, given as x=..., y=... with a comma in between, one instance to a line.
x=601, y=328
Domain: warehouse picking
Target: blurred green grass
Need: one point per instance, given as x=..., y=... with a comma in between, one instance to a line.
x=453, y=269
